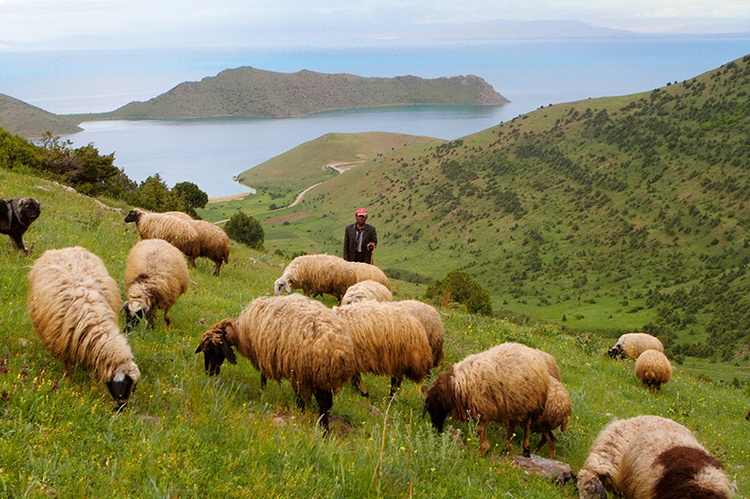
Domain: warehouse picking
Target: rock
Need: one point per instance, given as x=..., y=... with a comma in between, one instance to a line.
x=546, y=468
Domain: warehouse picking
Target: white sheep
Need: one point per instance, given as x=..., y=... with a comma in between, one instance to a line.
x=507, y=384
x=653, y=369
x=631, y=345
x=326, y=274
x=180, y=233
x=73, y=304
x=290, y=337
x=651, y=457
x=557, y=412
x=366, y=290
x=156, y=275
x=433, y=324
x=213, y=241
x=387, y=340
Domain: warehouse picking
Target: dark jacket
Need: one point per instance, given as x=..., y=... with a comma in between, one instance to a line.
x=350, y=243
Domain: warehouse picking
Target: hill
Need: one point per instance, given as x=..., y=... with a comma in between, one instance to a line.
x=29, y=121
x=609, y=214
x=252, y=92
x=185, y=434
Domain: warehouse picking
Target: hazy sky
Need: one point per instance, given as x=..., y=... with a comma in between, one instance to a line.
x=30, y=21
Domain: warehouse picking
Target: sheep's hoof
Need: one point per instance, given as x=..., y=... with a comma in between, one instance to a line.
x=526, y=452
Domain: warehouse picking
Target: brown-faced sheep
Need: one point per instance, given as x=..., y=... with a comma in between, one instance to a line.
x=213, y=241
x=16, y=215
x=557, y=411
x=180, y=233
x=73, y=304
x=366, y=290
x=156, y=275
x=653, y=369
x=326, y=274
x=650, y=457
x=290, y=337
x=631, y=345
x=507, y=384
x=387, y=340
x=433, y=324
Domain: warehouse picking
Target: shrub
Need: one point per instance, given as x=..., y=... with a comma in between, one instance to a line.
x=459, y=287
x=246, y=230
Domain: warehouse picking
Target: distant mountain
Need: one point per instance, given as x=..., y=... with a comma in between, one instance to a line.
x=29, y=121
x=248, y=91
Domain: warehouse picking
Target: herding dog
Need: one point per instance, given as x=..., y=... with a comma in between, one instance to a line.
x=16, y=215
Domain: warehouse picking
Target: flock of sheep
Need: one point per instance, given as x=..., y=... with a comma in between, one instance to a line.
x=74, y=305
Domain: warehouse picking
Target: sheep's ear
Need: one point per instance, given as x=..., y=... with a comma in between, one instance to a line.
x=226, y=349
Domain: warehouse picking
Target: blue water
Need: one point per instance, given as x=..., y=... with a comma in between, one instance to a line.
x=531, y=73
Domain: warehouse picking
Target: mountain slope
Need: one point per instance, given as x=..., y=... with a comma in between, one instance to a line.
x=29, y=121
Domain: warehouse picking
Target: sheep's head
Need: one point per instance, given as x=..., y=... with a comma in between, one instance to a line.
x=438, y=403
x=122, y=384
x=615, y=351
x=590, y=486
x=216, y=347
x=281, y=286
x=133, y=216
x=134, y=313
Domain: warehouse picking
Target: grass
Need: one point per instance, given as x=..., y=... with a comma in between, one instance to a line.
x=189, y=435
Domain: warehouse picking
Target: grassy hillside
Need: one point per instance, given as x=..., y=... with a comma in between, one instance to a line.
x=608, y=214
x=29, y=121
x=186, y=434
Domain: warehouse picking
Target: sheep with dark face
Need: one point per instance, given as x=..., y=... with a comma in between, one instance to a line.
x=632, y=345
x=213, y=241
x=176, y=231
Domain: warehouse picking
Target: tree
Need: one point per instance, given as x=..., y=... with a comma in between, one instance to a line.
x=153, y=194
x=459, y=287
x=191, y=196
x=246, y=230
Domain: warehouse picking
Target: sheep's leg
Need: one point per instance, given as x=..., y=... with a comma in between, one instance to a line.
x=484, y=443
x=217, y=268
x=526, y=437
x=191, y=260
x=359, y=386
x=395, y=384
x=510, y=428
x=167, y=318
x=325, y=403
x=542, y=442
x=263, y=381
x=552, y=445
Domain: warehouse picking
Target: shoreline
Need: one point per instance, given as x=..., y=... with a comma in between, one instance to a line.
x=229, y=197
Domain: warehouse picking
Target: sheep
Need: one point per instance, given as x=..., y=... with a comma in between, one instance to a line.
x=388, y=340
x=552, y=367
x=557, y=412
x=213, y=242
x=650, y=457
x=366, y=290
x=653, y=369
x=430, y=319
x=507, y=384
x=290, y=337
x=326, y=274
x=180, y=233
x=73, y=305
x=156, y=275
x=631, y=345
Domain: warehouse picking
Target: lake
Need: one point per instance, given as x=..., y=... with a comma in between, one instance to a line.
x=531, y=73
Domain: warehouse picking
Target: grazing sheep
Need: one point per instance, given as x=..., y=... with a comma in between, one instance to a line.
x=552, y=366
x=326, y=274
x=653, y=369
x=387, y=340
x=214, y=242
x=556, y=414
x=631, y=345
x=73, y=304
x=16, y=215
x=507, y=384
x=156, y=275
x=180, y=233
x=650, y=457
x=366, y=290
x=433, y=324
x=290, y=337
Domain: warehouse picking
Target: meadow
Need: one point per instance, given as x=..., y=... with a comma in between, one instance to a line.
x=186, y=434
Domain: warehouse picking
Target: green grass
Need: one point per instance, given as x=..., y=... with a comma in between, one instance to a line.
x=189, y=435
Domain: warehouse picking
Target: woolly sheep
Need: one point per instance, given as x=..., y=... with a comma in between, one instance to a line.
x=366, y=290
x=507, y=384
x=650, y=457
x=631, y=345
x=180, y=233
x=290, y=337
x=326, y=274
x=430, y=319
x=156, y=275
x=557, y=411
x=73, y=304
x=653, y=369
x=387, y=340
x=213, y=241
x=552, y=367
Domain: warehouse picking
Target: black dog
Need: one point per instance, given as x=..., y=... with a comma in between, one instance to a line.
x=16, y=215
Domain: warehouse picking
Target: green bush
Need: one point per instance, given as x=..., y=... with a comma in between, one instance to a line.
x=246, y=230
x=459, y=287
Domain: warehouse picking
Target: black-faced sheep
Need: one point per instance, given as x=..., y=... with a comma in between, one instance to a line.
x=156, y=275
x=650, y=457
x=290, y=337
x=366, y=290
x=631, y=345
x=433, y=324
x=213, y=241
x=73, y=304
x=180, y=233
x=507, y=384
x=16, y=215
x=326, y=274
x=557, y=411
x=653, y=369
x=387, y=340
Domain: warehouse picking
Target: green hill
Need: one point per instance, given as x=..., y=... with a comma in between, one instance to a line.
x=609, y=214
x=185, y=434
x=29, y=121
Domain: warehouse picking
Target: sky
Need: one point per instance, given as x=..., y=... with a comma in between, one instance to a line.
x=181, y=22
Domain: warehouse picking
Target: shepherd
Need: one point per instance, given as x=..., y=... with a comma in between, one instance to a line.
x=360, y=239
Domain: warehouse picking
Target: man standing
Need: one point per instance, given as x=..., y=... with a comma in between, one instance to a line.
x=360, y=239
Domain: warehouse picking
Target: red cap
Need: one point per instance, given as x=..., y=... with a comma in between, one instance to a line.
x=362, y=211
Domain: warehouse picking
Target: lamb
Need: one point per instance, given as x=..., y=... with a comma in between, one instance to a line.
x=631, y=345
x=326, y=274
x=180, y=233
x=73, y=304
x=213, y=242
x=557, y=412
x=290, y=337
x=650, y=457
x=653, y=369
x=387, y=340
x=507, y=384
x=366, y=290
x=430, y=319
x=156, y=275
